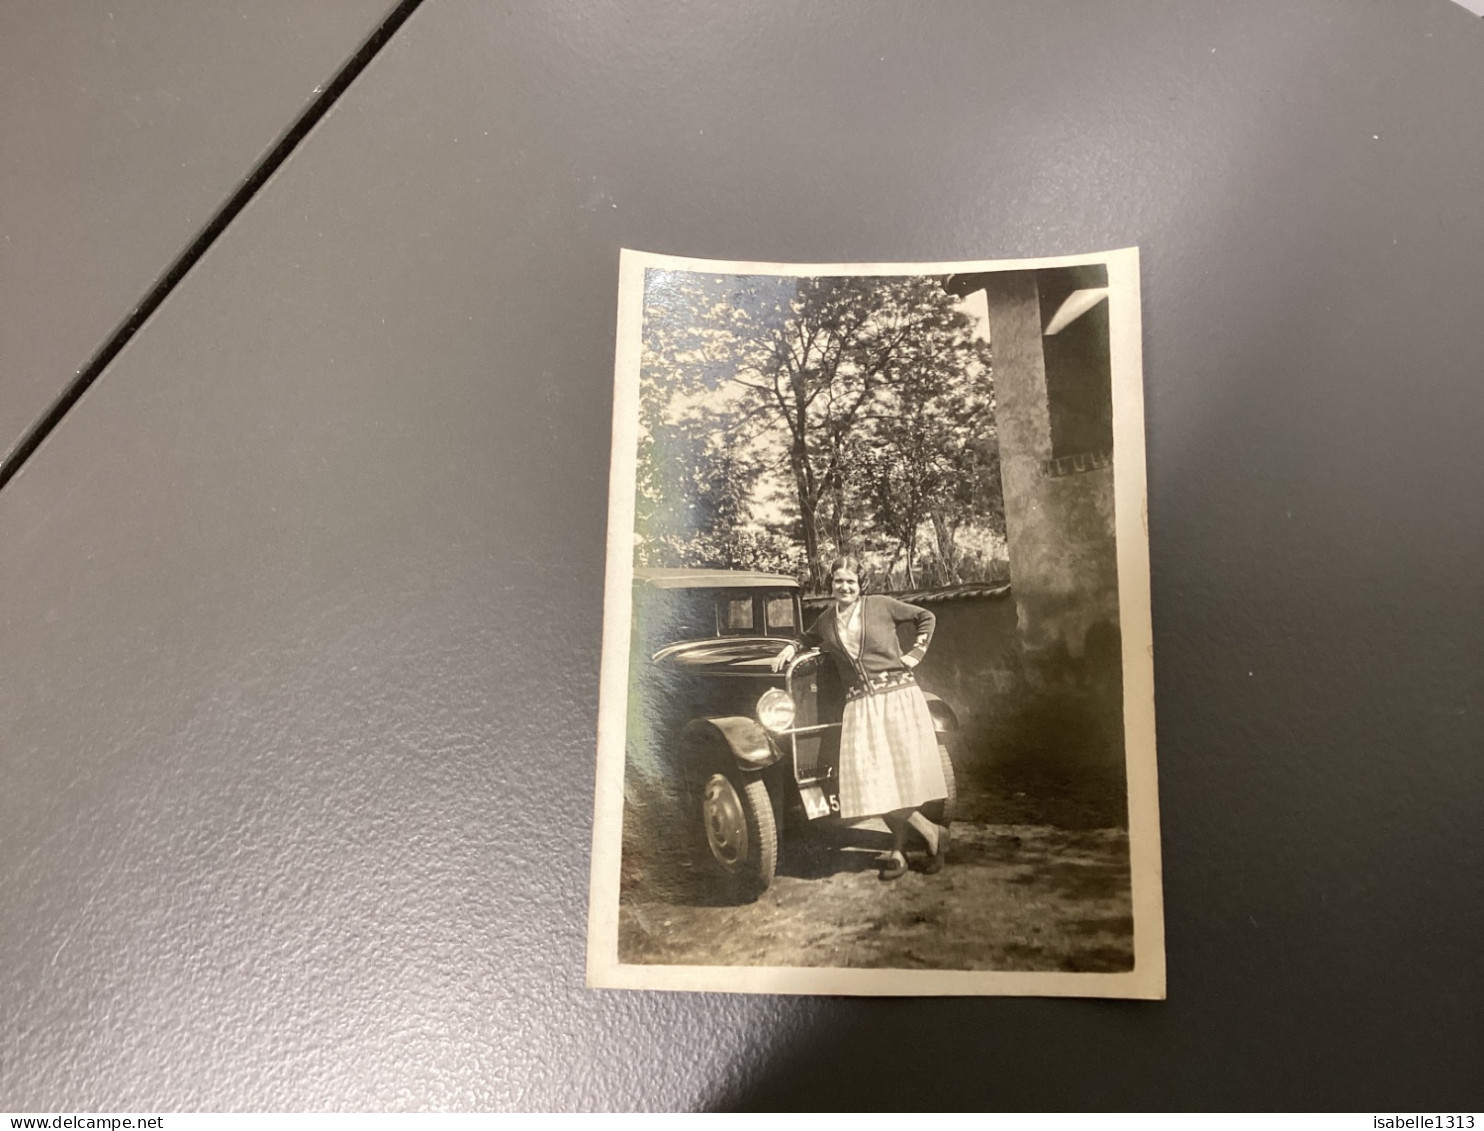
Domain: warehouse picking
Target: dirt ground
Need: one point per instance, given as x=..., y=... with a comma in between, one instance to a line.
x=1014, y=896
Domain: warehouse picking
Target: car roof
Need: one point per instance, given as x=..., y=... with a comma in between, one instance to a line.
x=711, y=579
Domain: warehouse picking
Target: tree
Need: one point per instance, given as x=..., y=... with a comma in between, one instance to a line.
x=973, y=495
x=859, y=388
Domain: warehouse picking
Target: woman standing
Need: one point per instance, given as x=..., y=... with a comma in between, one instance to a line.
x=889, y=764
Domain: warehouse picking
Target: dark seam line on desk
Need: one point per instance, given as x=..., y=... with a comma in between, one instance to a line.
x=178, y=269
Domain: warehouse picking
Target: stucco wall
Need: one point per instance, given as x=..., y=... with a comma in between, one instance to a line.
x=1058, y=512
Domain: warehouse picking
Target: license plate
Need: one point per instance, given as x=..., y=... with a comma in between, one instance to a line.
x=816, y=804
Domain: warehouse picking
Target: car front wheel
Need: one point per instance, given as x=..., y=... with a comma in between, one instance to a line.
x=740, y=831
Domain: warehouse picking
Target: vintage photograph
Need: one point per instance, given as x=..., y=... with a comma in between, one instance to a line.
x=876, y=706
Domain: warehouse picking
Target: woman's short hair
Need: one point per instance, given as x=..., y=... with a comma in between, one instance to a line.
x=852, y=563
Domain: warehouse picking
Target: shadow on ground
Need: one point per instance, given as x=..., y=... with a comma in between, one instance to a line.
x=1013, y=897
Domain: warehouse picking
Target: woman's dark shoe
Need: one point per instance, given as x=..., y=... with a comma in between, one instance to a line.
x=894, y=867
x=937, y=859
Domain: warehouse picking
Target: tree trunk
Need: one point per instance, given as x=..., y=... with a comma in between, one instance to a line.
x=808, y=515
x=947, y=548
x=836, y=516
x=891, y=567
x=808, y=519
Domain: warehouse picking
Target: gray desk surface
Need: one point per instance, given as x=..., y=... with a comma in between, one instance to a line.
x=300, y=605
x=121, y=131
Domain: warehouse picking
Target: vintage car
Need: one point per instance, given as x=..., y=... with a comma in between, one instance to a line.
x=750, y=754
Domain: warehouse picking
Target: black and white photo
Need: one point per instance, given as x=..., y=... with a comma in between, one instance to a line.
x=876, y=704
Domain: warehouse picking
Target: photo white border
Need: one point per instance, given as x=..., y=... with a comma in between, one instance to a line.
x=1147, y=978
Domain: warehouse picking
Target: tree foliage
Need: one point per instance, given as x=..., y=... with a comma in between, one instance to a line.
x=784, y=420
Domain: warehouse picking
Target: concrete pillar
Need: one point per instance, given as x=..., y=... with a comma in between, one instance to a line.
x=1058, y=513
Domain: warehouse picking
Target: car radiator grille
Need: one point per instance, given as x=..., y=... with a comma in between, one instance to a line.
x=813, y=753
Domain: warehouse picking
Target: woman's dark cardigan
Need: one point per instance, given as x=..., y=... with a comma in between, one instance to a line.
x=880, y=650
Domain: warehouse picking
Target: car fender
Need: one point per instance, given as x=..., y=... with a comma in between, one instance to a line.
x=744, y=738
x=944, y=720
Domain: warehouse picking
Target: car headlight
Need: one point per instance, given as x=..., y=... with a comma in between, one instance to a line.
x=775, y=710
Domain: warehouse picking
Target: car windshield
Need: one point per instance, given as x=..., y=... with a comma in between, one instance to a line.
x=780, y=611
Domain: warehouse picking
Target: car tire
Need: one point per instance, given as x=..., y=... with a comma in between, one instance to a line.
x=941, y=812
x=740, y=832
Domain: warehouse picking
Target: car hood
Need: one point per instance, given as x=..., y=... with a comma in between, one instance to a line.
x=742, y=655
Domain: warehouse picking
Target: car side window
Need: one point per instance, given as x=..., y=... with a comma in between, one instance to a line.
x=735, y=614
x=676, y=614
